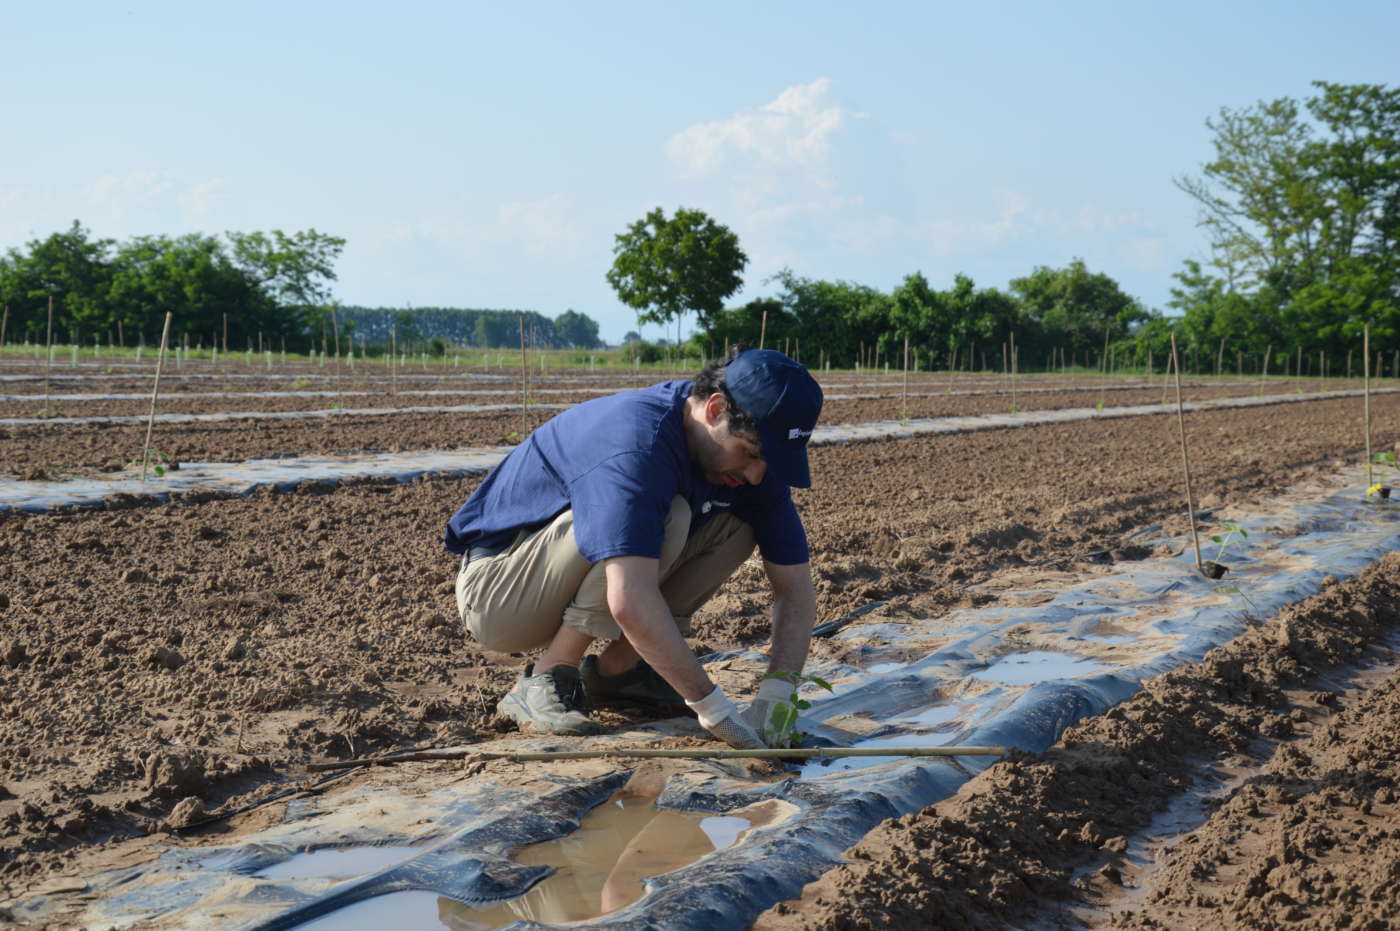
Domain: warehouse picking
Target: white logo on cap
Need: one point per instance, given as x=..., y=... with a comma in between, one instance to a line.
x=797, y=433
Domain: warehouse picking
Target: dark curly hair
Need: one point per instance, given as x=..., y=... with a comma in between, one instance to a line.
x=710, y=380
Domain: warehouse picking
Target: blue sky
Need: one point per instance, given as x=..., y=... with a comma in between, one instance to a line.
x=485, y=155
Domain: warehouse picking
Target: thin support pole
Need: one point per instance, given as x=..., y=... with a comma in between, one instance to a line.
x=644, y=753
x=1186, y=461
x=48, y=357
x=904, y=408
x=155, y=393
x=524, y=374
x=1366, y=383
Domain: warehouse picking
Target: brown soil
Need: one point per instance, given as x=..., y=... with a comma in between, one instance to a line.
x=207, y=648
x=1311, y=839
x=56, y=451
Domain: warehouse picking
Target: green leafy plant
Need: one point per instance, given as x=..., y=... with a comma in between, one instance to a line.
x=782, y=723
x=159, y=461
x=1229, y=532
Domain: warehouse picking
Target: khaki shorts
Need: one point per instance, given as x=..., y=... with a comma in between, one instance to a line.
x=517, y=600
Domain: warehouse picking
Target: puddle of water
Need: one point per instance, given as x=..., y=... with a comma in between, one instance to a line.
x=1037, y=666
x=337, y=863
x=599, y=868
x=388, y=911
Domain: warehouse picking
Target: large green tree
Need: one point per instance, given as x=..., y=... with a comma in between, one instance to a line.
x=665, y=267
x=1302, y=205
x=1073, y=308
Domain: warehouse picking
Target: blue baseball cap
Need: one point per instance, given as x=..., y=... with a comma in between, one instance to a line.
x=784, y=401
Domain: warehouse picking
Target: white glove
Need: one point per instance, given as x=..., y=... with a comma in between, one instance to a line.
x=718, y=715
x=759, y=713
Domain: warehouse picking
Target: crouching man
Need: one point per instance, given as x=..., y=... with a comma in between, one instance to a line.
x=620, y=517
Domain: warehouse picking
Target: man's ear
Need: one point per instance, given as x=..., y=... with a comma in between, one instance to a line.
x=716, y=408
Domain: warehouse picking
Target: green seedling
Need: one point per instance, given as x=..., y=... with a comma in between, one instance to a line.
x=905, y=417
x=782, y=723
x=513, y=437
x=159, y=463
x=1381, y=490
x=1230, y=531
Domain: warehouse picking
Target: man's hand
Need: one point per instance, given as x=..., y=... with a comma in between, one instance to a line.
x=772, y=692
x=718, y=715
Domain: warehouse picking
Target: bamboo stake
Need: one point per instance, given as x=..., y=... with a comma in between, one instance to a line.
x=763, y=330
x=524, y=378
x=1264, y=375
x=155, y=393
x=48, y=357
x=644, y=753
x=4, y=323
x=1186, y=461
x=904, y=408
x=1366, y=383
x=1014, y=357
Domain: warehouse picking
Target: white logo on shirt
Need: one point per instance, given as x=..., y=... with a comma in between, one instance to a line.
x=797, y=433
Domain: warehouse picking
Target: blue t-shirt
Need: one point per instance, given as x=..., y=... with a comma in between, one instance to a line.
x=617, y=462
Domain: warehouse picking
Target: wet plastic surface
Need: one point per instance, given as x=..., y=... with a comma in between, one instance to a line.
x=1010, y=675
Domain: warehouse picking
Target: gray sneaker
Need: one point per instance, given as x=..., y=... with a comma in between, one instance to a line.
x=640, y=685
x=549, y=703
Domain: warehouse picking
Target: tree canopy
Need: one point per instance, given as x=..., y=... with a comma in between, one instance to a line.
x=666, y=267
x=273, y=285
x=1302, y=205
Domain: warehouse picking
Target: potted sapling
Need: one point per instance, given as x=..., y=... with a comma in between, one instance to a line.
x=1214, y=568
x=1381, y=490
x=780, y=730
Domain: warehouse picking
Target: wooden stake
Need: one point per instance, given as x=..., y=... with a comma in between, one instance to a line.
x=524, y=377
x=763, y=330
x=155, y=393
x=48, y=357
x=1264, y=374
x=1366, y=389
x=1186, y=461
x=4, y=322
x=904, y=410
x=643, y=753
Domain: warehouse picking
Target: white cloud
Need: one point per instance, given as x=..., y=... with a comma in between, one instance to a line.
x=1144, y=254
x=157, y=199
x=542, y=225
x=794, y=131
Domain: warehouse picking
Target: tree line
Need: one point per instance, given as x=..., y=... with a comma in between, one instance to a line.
x=437, y=328
x=1301, y=203
x=231, y=291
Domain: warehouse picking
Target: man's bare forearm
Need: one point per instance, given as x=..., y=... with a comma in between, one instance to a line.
x=794, y=612
x=641, y=611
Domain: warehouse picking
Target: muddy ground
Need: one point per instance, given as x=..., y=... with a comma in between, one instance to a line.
x=1290, y=751
x=208, y=648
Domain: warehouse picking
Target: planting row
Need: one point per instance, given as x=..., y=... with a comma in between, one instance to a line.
x=205, y=649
